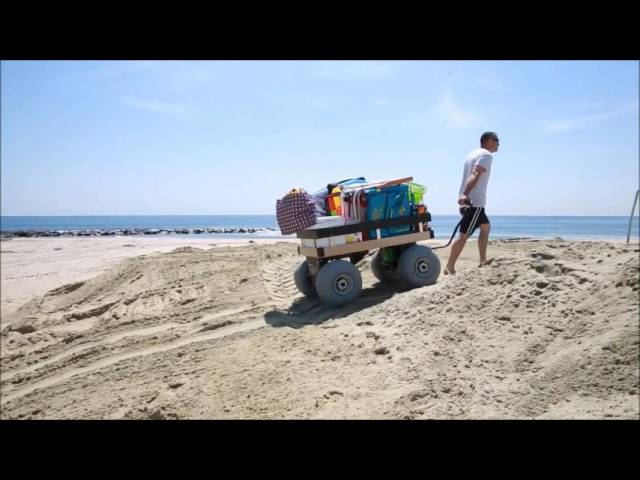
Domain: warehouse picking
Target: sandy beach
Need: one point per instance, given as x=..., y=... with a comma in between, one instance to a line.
x=206, y=328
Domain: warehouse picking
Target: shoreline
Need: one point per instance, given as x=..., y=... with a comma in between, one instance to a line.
x=246, y=237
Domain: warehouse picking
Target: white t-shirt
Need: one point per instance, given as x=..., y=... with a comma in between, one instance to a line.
x=482, y=157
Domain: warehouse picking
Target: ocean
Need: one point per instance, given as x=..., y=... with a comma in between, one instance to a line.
x=502, y=226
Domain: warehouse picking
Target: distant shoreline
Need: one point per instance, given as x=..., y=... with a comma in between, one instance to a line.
x=133, y=231
x=241, y=239
x=266, y=226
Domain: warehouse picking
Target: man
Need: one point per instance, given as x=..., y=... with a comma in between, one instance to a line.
x=473, y=189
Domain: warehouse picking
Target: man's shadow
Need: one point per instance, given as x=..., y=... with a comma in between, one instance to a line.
x=311, y=311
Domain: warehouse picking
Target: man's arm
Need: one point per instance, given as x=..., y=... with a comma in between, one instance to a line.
x=472, y=181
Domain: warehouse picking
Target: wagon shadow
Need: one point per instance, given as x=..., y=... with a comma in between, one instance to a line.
x=306, y=311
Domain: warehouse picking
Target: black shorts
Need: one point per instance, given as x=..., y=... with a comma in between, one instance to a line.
x=471, y=218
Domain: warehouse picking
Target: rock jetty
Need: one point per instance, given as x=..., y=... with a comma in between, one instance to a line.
x=132, y=231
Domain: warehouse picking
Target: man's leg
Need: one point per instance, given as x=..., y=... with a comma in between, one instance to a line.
x=456, y=250
x=483, y=240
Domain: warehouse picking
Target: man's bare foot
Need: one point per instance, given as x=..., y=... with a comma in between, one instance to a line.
x=486, y=262
x=449, y=271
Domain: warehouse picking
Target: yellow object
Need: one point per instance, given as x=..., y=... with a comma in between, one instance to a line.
x=336, y=206
x=353, y=237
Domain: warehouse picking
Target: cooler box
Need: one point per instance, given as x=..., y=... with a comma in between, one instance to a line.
x=331, y=221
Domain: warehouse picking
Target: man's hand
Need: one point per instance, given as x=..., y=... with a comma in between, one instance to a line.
x=463, y=200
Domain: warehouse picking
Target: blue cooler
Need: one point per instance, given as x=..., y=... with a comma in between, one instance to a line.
x=390, y=202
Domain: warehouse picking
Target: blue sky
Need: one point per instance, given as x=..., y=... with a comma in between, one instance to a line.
x=230, y=137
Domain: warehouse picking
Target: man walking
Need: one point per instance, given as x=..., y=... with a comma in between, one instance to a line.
x=473, y=190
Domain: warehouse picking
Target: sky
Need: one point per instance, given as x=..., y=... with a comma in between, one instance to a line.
x=231, y=137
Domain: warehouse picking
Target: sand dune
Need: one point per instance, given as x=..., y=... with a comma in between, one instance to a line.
x=548, y=329
x=33, y=266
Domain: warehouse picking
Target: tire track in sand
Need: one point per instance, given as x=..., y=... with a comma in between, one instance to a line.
x=111, y=360
x=278, y=282
x=113, y=338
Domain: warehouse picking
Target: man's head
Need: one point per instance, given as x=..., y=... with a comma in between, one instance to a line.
x=489, y=140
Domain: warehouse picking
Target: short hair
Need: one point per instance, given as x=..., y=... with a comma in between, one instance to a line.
x=486, y=136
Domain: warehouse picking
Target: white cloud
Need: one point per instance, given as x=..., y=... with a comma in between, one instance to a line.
x=154, y=106
x=351, y=70
x=453, y=114
x=582, y=122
